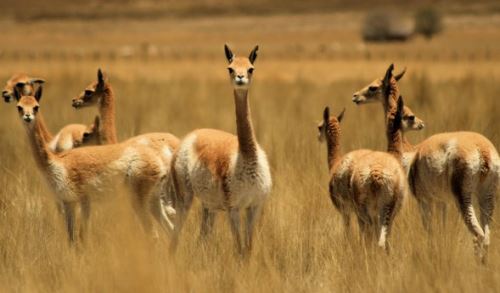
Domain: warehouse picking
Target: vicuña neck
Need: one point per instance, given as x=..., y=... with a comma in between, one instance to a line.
x=333, y=144
x=395, y=140
x=39, y=147
x=246, y=136
x=393, y=132
x=407, y=146
x=107, y=112
x=45, y=133
x=390, y=104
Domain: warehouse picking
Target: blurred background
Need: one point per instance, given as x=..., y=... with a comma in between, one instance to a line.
x=166, y=63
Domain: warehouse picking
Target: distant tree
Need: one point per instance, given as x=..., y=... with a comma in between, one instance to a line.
x=383, y=26
x=376, y=26
x=428, y=22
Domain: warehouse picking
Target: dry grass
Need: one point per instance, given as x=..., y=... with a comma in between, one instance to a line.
x=300, y=244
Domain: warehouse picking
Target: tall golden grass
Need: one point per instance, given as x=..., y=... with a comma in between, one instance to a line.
x=300, y=244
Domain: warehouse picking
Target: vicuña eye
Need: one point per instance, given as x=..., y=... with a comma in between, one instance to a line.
x=88, y=92
x=19, y=108
x=372, y=88
x=35, y=109
x=411, y=118
x=250, y=70
x=231, y=71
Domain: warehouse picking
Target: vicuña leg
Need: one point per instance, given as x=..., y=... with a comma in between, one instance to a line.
x=253, y=214
x=69, y=214
x=141, y=201
x=426, y=212
x=487, y=206
x=365, y=225
x=207, y=223
x=85, y=215
x=387, y=215
x=183, y=202
x=234, y=221
x=463, y=198
x=141, y=205
x=161, y=206
x=161, y=218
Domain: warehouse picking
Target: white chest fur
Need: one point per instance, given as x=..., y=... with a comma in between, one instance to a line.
x=249, y=183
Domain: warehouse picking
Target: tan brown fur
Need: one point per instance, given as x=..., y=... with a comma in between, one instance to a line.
x=214, y=149
x=225, y=171
x=465, y=164
x=394, y=130
x=410, y=123
x=157, y=140
x=78, y=175
x=25, y=84
x=368, y=183
x=374, y=93
x=22, y=83
x=75, y=135
x=69, y=136
x=101, y=94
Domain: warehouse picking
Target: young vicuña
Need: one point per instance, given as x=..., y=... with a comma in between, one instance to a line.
x=371, y=184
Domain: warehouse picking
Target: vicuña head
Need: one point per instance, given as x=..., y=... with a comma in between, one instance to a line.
x=333, y=124
x=91, y=133
x=375, y=91
x=76, y=135
x=410, y=121
x=28, y=106
x=93, y=93
x=23, y=82
x=240, y=68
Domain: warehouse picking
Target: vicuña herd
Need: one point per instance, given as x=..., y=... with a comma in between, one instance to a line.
x=230, y=173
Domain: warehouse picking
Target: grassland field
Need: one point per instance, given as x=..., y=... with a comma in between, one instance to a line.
x=170, y=75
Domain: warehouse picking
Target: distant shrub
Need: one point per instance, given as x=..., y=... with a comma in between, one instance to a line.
x=428, y=22
x=384, y=26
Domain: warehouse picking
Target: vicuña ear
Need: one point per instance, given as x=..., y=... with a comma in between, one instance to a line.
x=100, y=77
x=341, y=115
x=38, y=94
x=388, y=75
x=97, y=122
x=253, y=54
x=386, y=82
x=18, y=90
x=398, y=117
x=229, y=53
x=37, y=80
x=401, y=106
x=326, y=114
x=20, y=85
x=400, y=75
